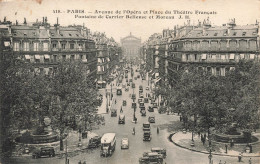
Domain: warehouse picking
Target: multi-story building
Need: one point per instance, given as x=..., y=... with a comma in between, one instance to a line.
x=44, y=46
x=108, y=54
x=214, y=49
x=131, y=47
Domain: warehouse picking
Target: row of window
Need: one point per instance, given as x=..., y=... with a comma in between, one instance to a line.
x=217, y=71
x=103, y=60
x=232, y=56
x=102, y=68
x=36, y=46
x=54, y=58
x=49, y=70
x=215, y=45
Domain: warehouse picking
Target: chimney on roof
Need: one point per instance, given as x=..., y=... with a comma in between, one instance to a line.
x=231, y=25
x=16, y=22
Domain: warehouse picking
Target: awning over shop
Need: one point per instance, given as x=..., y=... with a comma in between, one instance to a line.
x=99, y=82
x=37, y=57
x=7, y=43
x=104, y=82
x=27, y=56
x=46, y=56
x=85, y=60
x=242, y=56
x=232, y=56
x=204, y=56
x=252, y=56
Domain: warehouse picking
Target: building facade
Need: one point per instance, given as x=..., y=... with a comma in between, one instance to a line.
x=213, y=49
x=44, y=46
x=131, y=47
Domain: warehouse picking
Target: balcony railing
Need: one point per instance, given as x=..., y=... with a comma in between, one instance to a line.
x=68, y=49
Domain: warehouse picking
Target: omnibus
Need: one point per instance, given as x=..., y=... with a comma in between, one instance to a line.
x=108, y=144
x=119, y=90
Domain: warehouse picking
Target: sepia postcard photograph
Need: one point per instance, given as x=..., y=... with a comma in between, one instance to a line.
x=129, y=82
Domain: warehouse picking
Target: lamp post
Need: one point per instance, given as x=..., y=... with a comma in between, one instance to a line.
x=210, y=156
x=111, y=92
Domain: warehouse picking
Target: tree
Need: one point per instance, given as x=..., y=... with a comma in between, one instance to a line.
x=73, y=94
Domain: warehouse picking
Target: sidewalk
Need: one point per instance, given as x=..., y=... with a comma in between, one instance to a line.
x=183, y=140
x=72, y=145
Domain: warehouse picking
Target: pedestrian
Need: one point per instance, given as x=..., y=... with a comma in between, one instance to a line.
x=201, y=137
x=203, y=140
x=79, y=162
x=180, y=118
x=133, y=130
x=199, y=133
x=251, y=148
x=232, y=143
x=220, y=162
x=115, y=101
x=240, y=157
x=121, y=110
x=250, y=161
x=225, y=162
x=157, y=130
x=226, y=147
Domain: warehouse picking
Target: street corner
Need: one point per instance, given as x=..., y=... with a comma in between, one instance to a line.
x=184, y=140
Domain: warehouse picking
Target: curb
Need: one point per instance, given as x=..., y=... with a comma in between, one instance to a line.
x=170, y=139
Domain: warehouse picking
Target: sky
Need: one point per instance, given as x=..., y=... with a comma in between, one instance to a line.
x=244, y=12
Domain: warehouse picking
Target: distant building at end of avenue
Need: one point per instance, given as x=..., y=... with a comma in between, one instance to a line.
x=44, y=46
x=131, y=47
x=213, y=49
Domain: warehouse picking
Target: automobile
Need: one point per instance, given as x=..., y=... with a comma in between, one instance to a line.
x=126, y=80
x=133, y=105
x=159, y=150
x=150, y=109
x=147, y=136
x=124, y=102
x=143, y=112
x=151, y=157
x=151, y=119
x=138, y=76
x=43, y=152
x=121, y=119
x=135, y=78
x=128, y=84
x=94, y=142
x=130, y=80
x=146, y=126
x=133, y=96
x=146, y=100
x=141, y=104
x=141, y=95
x=140, y=87
x=154, y=105
x=123, y=86
x=124, y=143
x=133, y=85
x=140, y=100
x=147, y=88
x=113, y=112
x=127, y=89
